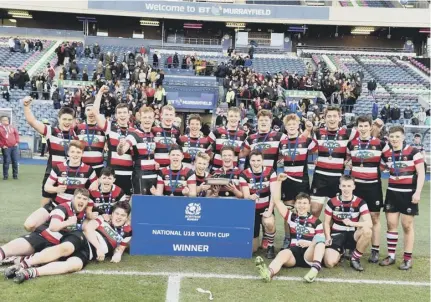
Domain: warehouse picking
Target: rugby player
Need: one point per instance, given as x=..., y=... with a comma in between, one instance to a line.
x=143, y=146
x=65, y=218
x=175, y=180
x=258, y=183
x=100, y=239
x=307, y=246
x=231, y=135
x=115, y=132
x=332, y=145
x=194, y=142
x=407, y=176
x=165, y=136
x=106, y=196
x=347, y=225
x=364, y=155
x=94, y=138
x=295, y=149
x=201, y=165
x=62, y=182
x=227, y=171
x=57, y=140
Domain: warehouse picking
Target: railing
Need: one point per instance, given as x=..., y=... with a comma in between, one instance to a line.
x=347, y=48
x=194, y=41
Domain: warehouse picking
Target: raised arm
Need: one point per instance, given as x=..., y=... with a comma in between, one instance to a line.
x=31, y=120
x=96, y=107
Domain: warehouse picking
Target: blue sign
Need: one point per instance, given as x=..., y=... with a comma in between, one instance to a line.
x=199, y=227
x=205, y=102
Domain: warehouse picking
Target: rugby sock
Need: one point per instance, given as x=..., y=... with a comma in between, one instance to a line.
x=31, y=273
x=392, y=239
x=407, y=256
x=356, y=255
x=270, y=237
x=317, y=265
x=2, y=254
x=375, y=248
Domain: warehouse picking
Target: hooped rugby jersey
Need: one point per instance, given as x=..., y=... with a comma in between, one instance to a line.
x=94, y=140
x=303, y=227
x=262, y=189
x=103, y=202
x=192, y=146
x=340, y=210
x=231, y=174
x=58, y=143
x=143, y=148
x=174, y=181
x=111, y=237
x=164, y=138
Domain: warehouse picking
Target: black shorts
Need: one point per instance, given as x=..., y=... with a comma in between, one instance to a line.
x=50, y=206
x=124, y=182
x=258, y=222
x=325, y=186
x=371, y=193
x=298, y=253
x=81, y=245
x=342, y=241
x=291, y=188
x=141, y=185
x=37, y=241
x=400, y=202
x=44, y=193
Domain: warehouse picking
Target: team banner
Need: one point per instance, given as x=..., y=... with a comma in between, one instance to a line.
x=205, y=102
x=182, y=226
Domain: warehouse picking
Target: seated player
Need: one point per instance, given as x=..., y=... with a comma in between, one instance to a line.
x=201, y=163
x=62, y=182
x=307, y=246
x=347, y=226
x=102, y=239
x=175, y=180
x=227, y=171
x=258, y=184
x=64, y=218
x=106, y=196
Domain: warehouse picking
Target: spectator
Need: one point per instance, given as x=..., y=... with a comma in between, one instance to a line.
x=155, y=60
x=230, y=97
x=5, y=92
x=11, y=44
x=9, y=141
x=385, y=113
x=96, y=49
x=87, y=51
x=421, y=115
x=375, y=110
x=408, y=115
x=395, y=114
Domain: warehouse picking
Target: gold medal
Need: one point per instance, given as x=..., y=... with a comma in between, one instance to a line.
x=172, y=194
x=227, y=193
x=362, y=165
x=330, y=156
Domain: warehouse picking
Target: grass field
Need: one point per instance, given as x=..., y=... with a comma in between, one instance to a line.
x=176, y=278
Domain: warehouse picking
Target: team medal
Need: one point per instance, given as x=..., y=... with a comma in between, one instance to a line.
x=227, y=193
x=330, y=157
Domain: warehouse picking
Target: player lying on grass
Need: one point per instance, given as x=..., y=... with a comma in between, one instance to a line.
x=65, y=218
x=307, y=240
x=99, y=239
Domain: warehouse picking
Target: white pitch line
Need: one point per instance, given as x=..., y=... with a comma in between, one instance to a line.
x=249, y=277
x=173, y=290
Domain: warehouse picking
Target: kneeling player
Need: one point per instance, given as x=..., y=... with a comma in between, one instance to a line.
x=307, y=246
x=258, y=183
x=351, y=225
x=102, y=239
x=62, y=219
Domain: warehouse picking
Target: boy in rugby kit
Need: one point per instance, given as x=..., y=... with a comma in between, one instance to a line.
x=406, y=180
x=175, y=180
x=116, y=132
x=201, y=166
x=364, y=154
x=57, y=140
x=258, y=183
x=347, y=225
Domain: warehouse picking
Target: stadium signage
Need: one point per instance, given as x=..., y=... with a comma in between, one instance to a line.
x=202, y=227
x=192, y=104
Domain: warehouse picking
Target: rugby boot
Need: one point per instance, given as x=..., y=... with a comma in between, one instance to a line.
x=374, y=257
x=387, y=261
x=270, y=252
x=286, y=244
x=264, y=272
x=11, y=271
x=311, y=275
x=356, y=264
x=9, y=260
x=24, y=275
x=406, y=265
x=347, y=254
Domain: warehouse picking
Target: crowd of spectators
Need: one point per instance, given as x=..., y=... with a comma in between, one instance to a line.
x=24, y=45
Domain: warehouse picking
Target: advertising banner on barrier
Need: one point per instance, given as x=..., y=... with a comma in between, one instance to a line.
x=205, y=102
x=199, y=227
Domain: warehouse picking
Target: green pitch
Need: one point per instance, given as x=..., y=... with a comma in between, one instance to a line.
x=19, y=198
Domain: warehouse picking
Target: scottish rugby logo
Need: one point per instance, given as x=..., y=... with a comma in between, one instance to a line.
x=193, y=211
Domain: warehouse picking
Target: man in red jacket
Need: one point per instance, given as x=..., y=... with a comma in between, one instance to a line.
x=9, y=140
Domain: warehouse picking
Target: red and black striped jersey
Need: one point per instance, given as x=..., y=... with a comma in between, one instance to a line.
x=221, y=137
x=303, y=227
x=143, y=147
x=191, y=146
x=402, y=167
x=94, y=139
x=174, y=181
x=260, y=184
x=340, y=210
x=365, y=156
x=122, y=164
x=332, y=150
x=268, y=143
x=201, y=179
x=61, y=212
x=296, y=158
x=72, y=177
x=111, y=237
x=232, y=175
x=164, y=138
x=103, y=202
x=58, y=143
